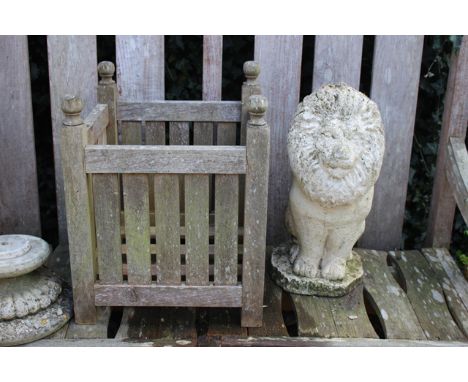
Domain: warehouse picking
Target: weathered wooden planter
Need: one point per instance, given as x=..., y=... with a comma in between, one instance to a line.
x=159, y=216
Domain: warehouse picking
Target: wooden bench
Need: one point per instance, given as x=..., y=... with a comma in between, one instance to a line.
x=401, y=296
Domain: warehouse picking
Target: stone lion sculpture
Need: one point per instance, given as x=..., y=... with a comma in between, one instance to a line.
x=335, y=147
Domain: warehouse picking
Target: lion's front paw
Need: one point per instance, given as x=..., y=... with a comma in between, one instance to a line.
x=304, y=266
x=335, y=270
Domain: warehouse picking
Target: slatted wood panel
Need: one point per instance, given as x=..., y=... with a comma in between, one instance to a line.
x=197, y=229
x=212, y=77
x=167, y=216
x=395, y=79
x=337, y=59
x=280, y=62
x=19, y=201
x=426, y=296
x=107, y=215
x=137, y=235
x=388, y=299
x=72, y=69
x=439, y=232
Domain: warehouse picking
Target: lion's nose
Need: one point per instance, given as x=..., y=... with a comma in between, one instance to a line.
x=341, y=152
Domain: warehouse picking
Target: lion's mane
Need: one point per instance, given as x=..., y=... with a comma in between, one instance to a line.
x=335, y=119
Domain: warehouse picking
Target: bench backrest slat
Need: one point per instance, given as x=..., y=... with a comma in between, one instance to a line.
x=395, y=80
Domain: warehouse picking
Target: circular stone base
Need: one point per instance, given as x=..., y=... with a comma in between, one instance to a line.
x=28, y=294
x=21, y=254
x=39, y=325
x=282, y=273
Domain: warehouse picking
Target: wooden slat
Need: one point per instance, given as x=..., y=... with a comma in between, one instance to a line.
x=197, y=226
x=226, y=226
x=255, y=218
x=314, y=342
x=79, y=221
x=223, y=322
x=168, y=295
x=131, y=133
x=180, y=111
x=453, y=284
x=441, y=215
x=155, y=133
x=395, y=80
x=273, y=323
x=166, y=159
x=140, y=68
x=107, y=216
x=97, y=121
x=314, y=316
x=457, y=173
x=166, y=202
x=426, y=296
x=137, y=236
x=19, y=200
x=334, y=317
x=248, y=342
x=389, y=301
x=72, y=70
x=337, y=59
x=280, y=62
x=156, y=323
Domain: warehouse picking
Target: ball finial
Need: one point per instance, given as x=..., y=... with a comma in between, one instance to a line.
x=106, y=70
x=257, y=106
x=251, y=70
x=72, y=107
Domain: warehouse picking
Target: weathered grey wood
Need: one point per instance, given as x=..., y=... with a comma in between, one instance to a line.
x=333, y=317
x=441, y=215
x=226, y=229
x=437, y=258
x=255, y=218
x=314, y=316
x=97, y=121
x=320, y=342
x=273, y=323
x=155, y=133
x=280, y=61
x=250, y=86
x=395, y=80
x=197, y=229
x=137, y=235
x=450, y=267
x=131, y=133
x=426, y=296
x=168, y=295
x=389, y=301
x=167, y=212
x=180, y=111
x=166, y=159
x=95, y=331
x=19, y=200
x=72, y=70
x=157, y=323
x=457, y=173
x=154, y=248
x=79, y=222
x=179, y=135
x=110, y=342
x=224, y=321
x=337, y=59
x=212, y=80
x=107, y=217
x=350, y=316
x=140, y=67
x=107, y=94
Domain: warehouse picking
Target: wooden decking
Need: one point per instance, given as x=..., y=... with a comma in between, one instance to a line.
x=408, y=298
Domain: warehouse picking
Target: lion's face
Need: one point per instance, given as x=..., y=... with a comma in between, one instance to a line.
x=336, y=144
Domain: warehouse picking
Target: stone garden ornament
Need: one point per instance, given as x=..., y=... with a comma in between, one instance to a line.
x=335, y=147
x=33, y=302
